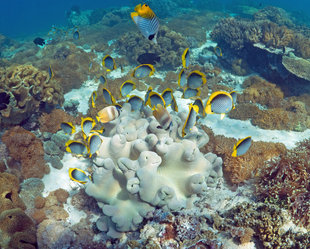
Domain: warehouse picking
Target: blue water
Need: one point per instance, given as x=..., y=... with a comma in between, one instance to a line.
x=22, y=18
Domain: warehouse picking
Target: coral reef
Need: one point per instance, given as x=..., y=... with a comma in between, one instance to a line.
x=135, y=154
x=16, y=228
x=26, y=87
x=275, y=15
x=239, y=169
x=287, y=180
x=170, y=46
x=297, y=66
x=23, y=146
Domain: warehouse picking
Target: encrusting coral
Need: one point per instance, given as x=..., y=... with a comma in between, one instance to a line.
x=140, y=166
x=26, y=87
x=23, y=146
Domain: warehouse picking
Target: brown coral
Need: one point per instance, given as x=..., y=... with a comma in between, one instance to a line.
x=23, y=146
x=276, y=36
x=26, y=87
x=50, y=122
x=287, y=179
x=170, y=47
x=239, y=169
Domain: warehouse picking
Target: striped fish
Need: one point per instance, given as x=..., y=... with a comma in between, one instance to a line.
x=147, y=21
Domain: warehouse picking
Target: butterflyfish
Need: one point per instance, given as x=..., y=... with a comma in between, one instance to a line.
x=196, y=79
x=167, y=96
x=242, y=146
x=233, y=94
x=162, y=116
x=143, y=71
x=93, y=99
x=87, y=124
x=79, y=175
x=146, y=21
x=155, y=99
x=136, y=102
x=94, y=143
x=50, y=72
x=185, y=58
x=107, y=114
x=190, y=120
x=182, y=78
x=76, y=35
x=76, y=147
x=107, y=95
x=67, y=127
x=190, y=93
x=174, y=104
x=147, y=94
x=201, y=110
x=102, y=79
x=109, y=63
x=219, y=102
x=127, y=87
x=118, y=106
x=218, y=51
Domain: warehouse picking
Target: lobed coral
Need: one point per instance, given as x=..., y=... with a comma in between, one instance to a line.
x=141, y=166
x=287, y=179
x=26, y=87
x=23, y=146
x=170, y=46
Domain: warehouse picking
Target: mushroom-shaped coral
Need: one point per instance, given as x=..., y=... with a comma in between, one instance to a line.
x=140, y=166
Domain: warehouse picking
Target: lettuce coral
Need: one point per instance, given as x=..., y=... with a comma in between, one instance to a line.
x=140, y=166
x=26, y=87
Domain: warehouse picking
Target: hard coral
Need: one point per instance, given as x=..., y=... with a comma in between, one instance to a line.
x=276, y=36
x=274, y=14
x=240, y=169
x=170, y=47
x=287, y=179
x=26, y=87
x=23, y=146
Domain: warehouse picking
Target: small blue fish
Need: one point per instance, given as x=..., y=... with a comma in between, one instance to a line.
x=182, y=78
x=136, y=102
x=219, y=102
x=76, y=147
x=67, y=127
x=127, y=87
x=155, y=99
x=94, y=143
x=201, y=110
x=79, y=175
x=242, y=146
x=190, y=120
x=167, y=96
x=185, y=58
x=190, y=93
x=76, y=35
x=107, y=95
x=109, y=63
x=143, y=70
x=102, y=79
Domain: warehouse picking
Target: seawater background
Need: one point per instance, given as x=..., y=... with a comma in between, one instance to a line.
x=20, y=18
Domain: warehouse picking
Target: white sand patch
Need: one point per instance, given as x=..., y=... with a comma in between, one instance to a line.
x=82, y=94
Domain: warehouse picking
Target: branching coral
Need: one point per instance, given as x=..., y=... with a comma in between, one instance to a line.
x=170, y=47
x=276, y=36
x=287, y=179
x=23, y=146
x=26, y=87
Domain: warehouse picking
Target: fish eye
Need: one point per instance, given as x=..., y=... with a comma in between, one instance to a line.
x=145, y=5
